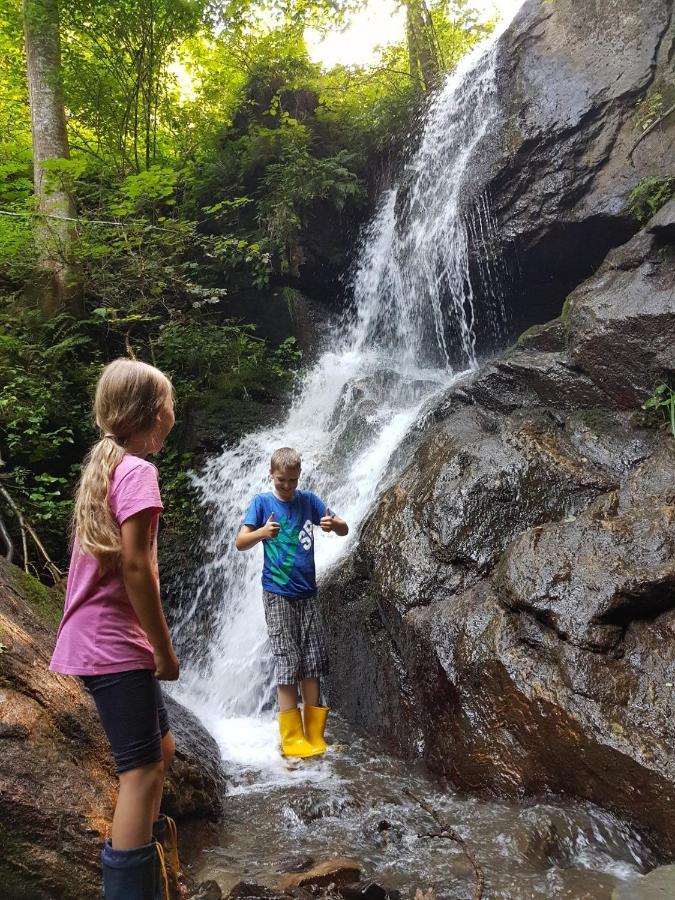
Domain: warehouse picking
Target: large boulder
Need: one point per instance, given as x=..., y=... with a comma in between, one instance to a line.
x=57, y=782
x=574, y=81
x=509, y=612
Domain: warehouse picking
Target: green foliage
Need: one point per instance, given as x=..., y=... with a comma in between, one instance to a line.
x=662, y=400
x=206, y=147
x=647, y=110
x=648, y=196
x=44, y=415
x=292, y=185
x=181, y=511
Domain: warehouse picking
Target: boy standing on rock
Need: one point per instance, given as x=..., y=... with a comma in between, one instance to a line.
x=283, y=520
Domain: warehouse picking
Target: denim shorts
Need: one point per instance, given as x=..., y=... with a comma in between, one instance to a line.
x=132, y=712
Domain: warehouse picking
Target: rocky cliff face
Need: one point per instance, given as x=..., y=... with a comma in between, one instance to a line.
x=57, y=782
x=575, y=83
x=509, y=613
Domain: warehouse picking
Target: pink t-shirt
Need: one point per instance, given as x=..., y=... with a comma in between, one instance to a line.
x=100, y=632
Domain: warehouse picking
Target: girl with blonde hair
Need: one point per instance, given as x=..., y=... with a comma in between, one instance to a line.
x=113, y=634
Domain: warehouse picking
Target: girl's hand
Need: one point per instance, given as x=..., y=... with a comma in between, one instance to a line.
x=166, y=665
x=270, y=529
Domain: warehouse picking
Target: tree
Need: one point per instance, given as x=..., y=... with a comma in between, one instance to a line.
x=117, y=75
x=423, y=52
x=50, y=142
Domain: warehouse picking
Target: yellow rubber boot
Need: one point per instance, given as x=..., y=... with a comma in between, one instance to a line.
x=315, y=726
x=293, y=741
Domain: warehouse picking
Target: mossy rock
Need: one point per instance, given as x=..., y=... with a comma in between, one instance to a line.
x=46, y=602
x=549, y=337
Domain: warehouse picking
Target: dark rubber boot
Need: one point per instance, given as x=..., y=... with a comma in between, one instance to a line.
x=131, y=874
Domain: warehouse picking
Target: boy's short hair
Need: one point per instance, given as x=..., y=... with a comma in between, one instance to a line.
x=285, y=458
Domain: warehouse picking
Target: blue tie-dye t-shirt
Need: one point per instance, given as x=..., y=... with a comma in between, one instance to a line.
x=289, y=558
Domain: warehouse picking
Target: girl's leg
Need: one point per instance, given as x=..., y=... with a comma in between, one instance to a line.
x=168, y=752
x=130, y=706
x=135, y=810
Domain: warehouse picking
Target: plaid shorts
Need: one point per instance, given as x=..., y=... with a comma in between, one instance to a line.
x=295, y=633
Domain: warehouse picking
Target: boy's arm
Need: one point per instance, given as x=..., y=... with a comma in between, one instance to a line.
x=331, y=522
x=249, y=536
x=139, y=574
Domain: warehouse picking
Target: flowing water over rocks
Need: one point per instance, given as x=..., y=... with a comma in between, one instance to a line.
x=415, y=330
x=360, y=803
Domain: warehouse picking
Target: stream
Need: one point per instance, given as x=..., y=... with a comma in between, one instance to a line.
x=361, y=803
x=410, y=334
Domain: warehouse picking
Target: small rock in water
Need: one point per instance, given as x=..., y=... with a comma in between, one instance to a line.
x=371, y=890
x=300, y=866
x=657, y=885
x=244, y=890
x=207, y=890
x=338, y=871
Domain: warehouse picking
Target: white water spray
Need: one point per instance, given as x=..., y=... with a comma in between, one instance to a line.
x=411, y=333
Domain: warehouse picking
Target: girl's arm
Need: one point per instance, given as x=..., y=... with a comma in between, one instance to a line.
x=140, y=580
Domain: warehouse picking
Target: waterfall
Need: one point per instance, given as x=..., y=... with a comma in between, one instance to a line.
x=410, y=333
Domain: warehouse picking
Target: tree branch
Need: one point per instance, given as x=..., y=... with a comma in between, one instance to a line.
x=9, y=555
x=647, y=131
x=27, y=529
x=450, y=833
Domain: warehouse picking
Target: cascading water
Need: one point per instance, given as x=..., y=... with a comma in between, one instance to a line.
x=410, y=332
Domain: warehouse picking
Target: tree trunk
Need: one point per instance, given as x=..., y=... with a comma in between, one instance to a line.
x=424, y=63
x=50, y=141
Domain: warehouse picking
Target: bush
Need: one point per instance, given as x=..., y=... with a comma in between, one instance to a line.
x=647, y=197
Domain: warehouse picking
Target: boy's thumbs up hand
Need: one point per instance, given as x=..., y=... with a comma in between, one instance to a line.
x=327, y=521
x=271, y=528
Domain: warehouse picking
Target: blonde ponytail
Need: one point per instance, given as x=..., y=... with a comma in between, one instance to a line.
x=129, y=396
x=97, y=531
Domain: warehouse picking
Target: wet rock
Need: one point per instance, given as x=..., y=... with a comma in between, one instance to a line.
x=339, y=871
x=560, y=171
x=508, y=614
x=371, y=890
x=300, y=866
x=663, y=223
x=589, y=578
x=196, y=783
x=468, y=491
x=551, y=337
x=657, y=885
x=244, y=890
x=358, y=415
x=621, y=323
x=207, y=890
x=57, y=782
x=523, y=379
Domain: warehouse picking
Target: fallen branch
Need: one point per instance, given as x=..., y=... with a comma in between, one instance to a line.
x=43, y=215
x=5, y=535
x=644, y=134
x=447, y=832
x=27, y=529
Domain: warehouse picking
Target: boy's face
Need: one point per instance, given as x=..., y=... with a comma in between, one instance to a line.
x=285, y=482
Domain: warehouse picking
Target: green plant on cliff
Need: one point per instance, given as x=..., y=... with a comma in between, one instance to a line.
x=648, y=196
x=647, y=110
x=662, y=400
